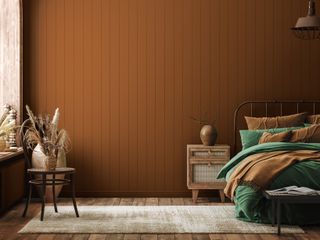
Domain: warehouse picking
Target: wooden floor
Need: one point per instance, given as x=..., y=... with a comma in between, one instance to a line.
x=12, y=222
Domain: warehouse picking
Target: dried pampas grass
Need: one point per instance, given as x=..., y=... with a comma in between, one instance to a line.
x=6, y=126
x=44, y=132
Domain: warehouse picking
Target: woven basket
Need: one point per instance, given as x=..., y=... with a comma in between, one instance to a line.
x=50, y=163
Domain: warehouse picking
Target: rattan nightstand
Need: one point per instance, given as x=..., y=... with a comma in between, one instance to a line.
x=203, y=166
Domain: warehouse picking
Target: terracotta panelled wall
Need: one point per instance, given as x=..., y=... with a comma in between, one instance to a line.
x=128, y=74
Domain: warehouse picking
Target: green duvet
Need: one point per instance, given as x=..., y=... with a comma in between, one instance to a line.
x=252, y=206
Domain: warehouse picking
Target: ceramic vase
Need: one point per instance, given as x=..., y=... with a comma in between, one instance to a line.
x=38, y=161
x=208, y=135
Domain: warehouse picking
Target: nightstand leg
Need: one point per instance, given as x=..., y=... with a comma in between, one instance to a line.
x=195, y=195
x=222, y=197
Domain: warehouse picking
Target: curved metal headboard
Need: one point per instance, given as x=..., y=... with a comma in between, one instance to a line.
x=266, y=105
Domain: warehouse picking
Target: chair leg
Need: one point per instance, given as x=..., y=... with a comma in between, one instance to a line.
x=29, y=194
x=42, y=193
x=72, y=178
x=54, y=193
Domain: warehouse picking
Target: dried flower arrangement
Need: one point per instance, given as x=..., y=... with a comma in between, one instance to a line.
x=44, y=132
x=203, y=121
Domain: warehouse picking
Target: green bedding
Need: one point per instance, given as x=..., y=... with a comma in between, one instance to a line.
x=252, y=206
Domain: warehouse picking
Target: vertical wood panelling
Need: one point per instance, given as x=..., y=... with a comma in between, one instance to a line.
x=180, y=163
x=133, y=97
x=114, y=95
x=151, y=89
x=142, y=93
x=69, y=75
x=215, y=62
x=128, y=75
x=169, y=91
x=269, y=48
x=105, y=95
x=77, y=89
x=159, y=96
x=124, y=83
x=187, y=75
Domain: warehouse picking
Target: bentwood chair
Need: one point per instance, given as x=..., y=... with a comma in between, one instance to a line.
x=39, y=178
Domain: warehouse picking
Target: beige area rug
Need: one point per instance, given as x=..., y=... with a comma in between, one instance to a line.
x=147, y=219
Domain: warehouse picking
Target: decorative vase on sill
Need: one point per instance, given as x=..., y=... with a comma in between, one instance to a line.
x=208, y=135
x=7, y=127
x=3, y=144
x=39, y=160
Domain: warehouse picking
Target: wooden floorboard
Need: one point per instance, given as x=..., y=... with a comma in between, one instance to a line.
x=149, y=237
x=12, y=222
x=46, y=237
x=97, y=237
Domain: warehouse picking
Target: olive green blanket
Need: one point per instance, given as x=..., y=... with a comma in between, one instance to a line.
x=252, y=206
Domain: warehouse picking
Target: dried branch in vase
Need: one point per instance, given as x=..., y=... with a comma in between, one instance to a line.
x=45, y=132
x=203, y=121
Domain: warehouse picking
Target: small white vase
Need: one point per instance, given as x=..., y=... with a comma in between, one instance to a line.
x=38, y=161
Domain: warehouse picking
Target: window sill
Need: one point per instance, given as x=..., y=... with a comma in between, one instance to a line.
x=6, y=157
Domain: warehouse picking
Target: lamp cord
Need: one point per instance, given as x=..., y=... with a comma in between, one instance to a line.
x=312, y=8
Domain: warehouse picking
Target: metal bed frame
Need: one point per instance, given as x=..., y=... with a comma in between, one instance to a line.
x=297, y=104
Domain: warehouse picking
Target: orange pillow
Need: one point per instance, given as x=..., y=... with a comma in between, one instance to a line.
x=308, y=134
x=277, y=137
x=294, y=120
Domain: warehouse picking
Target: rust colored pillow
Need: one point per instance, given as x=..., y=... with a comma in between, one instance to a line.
x=313, y=119
x=294, y=120
x=308, y=134
x=277, y=137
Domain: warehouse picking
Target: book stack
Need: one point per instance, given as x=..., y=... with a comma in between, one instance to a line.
x=294, y=190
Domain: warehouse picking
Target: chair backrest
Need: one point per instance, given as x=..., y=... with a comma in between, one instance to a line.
x=26, y=149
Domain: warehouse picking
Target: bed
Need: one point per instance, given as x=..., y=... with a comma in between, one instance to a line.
x=250, y=205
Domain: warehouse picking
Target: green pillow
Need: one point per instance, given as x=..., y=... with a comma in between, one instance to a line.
x=250, y=138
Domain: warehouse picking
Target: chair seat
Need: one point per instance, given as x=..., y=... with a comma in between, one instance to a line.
x=50, y=182
x=56, y=171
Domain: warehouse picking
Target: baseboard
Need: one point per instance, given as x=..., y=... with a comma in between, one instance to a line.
x=204, y=193
x=128, y=194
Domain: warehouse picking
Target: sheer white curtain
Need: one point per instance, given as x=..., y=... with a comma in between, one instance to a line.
x=11, y=53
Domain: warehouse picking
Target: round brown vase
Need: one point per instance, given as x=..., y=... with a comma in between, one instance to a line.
x=38, y=161
x=208, y=135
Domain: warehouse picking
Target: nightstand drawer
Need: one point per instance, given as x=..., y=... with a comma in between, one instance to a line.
x=206, y=173
x=209, y=153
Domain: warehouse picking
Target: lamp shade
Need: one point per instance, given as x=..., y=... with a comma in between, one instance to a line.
x=308, y=27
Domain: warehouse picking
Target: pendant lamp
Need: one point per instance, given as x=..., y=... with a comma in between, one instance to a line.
x=308, y=27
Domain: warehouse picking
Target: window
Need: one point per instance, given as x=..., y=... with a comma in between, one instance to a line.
x=11, y=54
